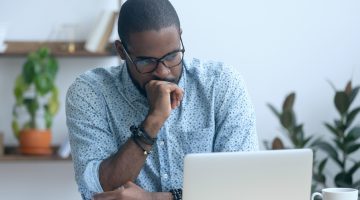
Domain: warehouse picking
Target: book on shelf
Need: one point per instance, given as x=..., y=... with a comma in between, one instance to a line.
x=99, y=36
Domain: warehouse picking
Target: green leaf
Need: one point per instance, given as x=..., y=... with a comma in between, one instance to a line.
x=273, y=109
x=297, y=134
x=289, y=102
x=53, y=104
x=43, y=84
x=353, y=94
x=339, y=144
x=277, y=144
x=43, y=52
x=340, y=126
x=331, y=151
x=286, y=119
x=28, y=71
x=353, y=169
x=353, y=135
x=320, y=178
x=299, y=128
x=315, y=142
x=322, y=165
x=52, y=67
x=48, y=120
x=20, y=88
x=28, y=125
x=332, y=129
x=342, y=102
x=352, y=148
x=348, y=88
x=15, y=128
x=351, y=116
x=32, y=105
x=343, y=180
x=306, y=141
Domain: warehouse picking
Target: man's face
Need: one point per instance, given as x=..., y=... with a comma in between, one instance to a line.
x=154, y=45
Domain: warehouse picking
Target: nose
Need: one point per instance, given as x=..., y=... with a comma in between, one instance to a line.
x=161, y=71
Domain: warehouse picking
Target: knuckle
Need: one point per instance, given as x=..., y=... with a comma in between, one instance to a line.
x=161, y=86
x=119, y=194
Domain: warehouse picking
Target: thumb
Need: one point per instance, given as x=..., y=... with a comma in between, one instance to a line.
x=128, y=184
x=121, y=188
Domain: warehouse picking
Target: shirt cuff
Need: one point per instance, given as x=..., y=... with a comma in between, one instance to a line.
x=91, y=177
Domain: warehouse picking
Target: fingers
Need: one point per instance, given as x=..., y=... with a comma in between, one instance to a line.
x=115, y=194
x=121, y=188
x=176, y=93
x=112, y=195
x=175, y=99
x=128, y=184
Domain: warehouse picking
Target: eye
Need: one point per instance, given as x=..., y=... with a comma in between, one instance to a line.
x=144, y=62
x=171, y=56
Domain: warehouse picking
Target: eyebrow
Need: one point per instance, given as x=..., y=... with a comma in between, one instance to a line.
x=149, y=57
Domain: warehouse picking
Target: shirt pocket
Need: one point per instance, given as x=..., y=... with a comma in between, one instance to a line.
x=199, y=140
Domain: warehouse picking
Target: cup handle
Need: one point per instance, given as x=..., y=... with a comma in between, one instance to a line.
x=316, y=194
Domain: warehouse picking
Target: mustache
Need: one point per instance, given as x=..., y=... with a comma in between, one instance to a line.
x=171, y=80
x=142, y=90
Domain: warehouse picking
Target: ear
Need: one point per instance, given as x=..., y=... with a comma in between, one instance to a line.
x=180, y=31
x=120, y=49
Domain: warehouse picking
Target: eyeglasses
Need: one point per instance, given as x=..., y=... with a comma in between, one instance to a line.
x=149, y=65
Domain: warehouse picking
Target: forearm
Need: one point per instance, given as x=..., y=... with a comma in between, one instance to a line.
x=126, y=164
x=123, y=166
x=162, y=196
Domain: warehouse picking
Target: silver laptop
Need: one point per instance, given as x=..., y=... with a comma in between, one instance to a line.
x=261, y=175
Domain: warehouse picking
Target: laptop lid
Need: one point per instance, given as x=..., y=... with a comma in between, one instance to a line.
x=273, y=175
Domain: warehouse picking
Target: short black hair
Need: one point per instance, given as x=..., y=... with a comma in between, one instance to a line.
x=144, y=15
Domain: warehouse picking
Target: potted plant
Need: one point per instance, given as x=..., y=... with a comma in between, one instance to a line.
x=297, y=138
x=345, y=138
x=36, y=102
x=340, y=149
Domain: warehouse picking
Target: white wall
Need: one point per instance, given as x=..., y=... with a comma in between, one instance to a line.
x=279, y=46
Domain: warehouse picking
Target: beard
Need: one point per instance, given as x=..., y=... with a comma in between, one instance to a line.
x=142, y=90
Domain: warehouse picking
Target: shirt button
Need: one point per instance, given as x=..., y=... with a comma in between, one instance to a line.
x=162, y=143
x=165, y=176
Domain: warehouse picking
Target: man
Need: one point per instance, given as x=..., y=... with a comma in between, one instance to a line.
x=130, y=126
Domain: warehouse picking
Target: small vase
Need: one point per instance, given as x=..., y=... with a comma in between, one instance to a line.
x=35, y=142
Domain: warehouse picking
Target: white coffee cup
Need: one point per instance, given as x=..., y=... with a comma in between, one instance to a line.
x=337, y=194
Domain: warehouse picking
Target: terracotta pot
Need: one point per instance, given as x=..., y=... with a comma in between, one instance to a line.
x=35, y=142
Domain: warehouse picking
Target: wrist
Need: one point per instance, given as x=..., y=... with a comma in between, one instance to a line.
x=152, y=125
x=176, y=194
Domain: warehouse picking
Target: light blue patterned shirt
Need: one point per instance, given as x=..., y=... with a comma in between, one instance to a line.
x=215, y=115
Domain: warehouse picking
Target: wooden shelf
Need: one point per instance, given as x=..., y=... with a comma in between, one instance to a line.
x=58, y=49
x=12, y=154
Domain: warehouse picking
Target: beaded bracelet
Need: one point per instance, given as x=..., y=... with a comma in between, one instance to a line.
x=176, y=193
x=142, y=134
x=135, y=139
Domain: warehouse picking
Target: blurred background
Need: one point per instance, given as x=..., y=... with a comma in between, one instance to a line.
x=279, y=46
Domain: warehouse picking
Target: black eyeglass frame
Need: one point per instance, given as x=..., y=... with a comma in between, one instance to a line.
x=158, y=60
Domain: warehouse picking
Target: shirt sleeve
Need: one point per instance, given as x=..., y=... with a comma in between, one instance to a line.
x=90, y=137
x=235, y=115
